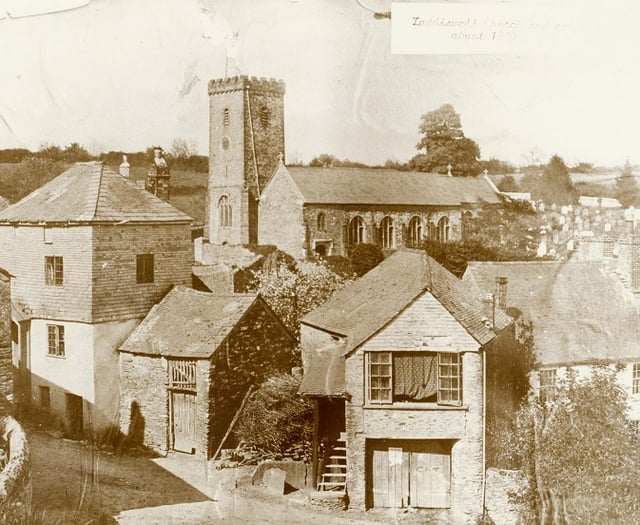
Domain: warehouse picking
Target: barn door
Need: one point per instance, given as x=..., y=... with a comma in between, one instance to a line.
x=390, y=478
x=183, y=408
x=429, y=479
x=417, y=475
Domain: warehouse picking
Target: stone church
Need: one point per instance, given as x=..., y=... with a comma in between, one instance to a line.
x=253, y=198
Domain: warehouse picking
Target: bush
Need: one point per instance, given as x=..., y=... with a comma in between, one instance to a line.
x=276, y=420
x=365, y=257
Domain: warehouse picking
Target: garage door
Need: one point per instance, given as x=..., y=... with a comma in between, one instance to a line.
x=416, y=474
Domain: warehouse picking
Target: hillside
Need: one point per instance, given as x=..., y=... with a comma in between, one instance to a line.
x=188, y=188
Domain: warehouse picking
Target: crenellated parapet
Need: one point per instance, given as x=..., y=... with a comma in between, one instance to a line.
x=244, y=82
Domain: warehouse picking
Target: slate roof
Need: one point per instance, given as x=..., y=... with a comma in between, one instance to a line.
x=581, y=312
x=188, y=323
x=360, y=310
x=91, y=192
x=388, y=187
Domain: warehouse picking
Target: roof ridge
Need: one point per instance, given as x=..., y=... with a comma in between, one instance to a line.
x=95, y=209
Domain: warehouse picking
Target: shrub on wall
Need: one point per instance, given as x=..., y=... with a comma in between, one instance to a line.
x=276, y=420
x=365, y=257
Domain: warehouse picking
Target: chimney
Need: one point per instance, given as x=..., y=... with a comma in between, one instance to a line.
x=159, y=176
x=501, y=293
x=124, y=167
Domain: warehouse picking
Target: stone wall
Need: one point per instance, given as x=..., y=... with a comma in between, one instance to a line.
x=502, y=489
x=257, y=348
x=462, y=425
x=15, y=477
x=144, y=403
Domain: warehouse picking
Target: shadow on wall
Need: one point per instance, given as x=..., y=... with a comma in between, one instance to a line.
x=135, y=436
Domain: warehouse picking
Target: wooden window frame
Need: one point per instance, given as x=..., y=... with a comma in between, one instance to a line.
x=376, y=363
x=635, y=378
x=145, y=268
x=53, y=270
x=547, y=380
x=450, y=379
x=450, y=376
x=182, y=374
x=55, y=340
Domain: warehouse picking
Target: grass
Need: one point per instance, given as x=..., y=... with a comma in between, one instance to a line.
x=188, y=188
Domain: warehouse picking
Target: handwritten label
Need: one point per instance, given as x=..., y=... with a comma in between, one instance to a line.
x=456, y=29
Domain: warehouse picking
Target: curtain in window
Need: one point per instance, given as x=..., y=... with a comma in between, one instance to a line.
x=415, y=376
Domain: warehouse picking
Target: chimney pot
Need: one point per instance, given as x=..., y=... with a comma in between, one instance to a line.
x=125, y=167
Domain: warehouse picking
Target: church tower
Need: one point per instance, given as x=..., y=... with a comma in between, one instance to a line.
x=246, y=138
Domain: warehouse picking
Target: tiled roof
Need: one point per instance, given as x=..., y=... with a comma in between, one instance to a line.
x=324, y=372
x=91, y=192
x=363, y=308
x=581, y=312
x=216, y=278
x=385, y=186
x=188, y=323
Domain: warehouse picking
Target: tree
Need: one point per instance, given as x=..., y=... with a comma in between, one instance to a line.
x=555, y=186
x=497, y=167
x=580, y=452
x=444, y=144
x=74, y=152
x=276, y=420
x=182, y=149
x=508, y=184
x=294, y=292
x=365, y=257
x=627, y=190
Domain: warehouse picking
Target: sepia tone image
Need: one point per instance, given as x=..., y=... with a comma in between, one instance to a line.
x=319, y=261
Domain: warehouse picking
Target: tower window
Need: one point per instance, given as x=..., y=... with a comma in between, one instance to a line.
x=225, y=117
x=264, y=116
x=322, y=226
x=225, y=212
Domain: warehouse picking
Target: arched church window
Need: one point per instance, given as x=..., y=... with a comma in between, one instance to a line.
x=443, y=229
x=357, y=231
x=415, y=232
x=224, y=212
x=387, y=232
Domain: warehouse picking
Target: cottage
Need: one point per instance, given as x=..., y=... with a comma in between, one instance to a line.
x=186, y=368
x=396, y=366
x=90, y=253
x=254, y=198
x=582, y=314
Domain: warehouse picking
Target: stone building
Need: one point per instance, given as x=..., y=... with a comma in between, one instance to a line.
x=327, y=211
x=90, y=253
x=253, y=198
x=395, y=364
x=186, y=368
x=583, y=314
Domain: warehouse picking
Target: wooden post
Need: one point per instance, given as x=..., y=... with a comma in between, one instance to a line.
x=314, y=445
x=233, y=421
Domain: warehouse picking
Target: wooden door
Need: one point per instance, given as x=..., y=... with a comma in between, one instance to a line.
x=390, y=478
x=74, y=414
x=183, y=417
x=417, y=474
x=430, y=479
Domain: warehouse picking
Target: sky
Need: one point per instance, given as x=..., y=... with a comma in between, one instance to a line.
x=127, y=74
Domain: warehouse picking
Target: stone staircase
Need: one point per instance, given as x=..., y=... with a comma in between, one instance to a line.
x=334, y=476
